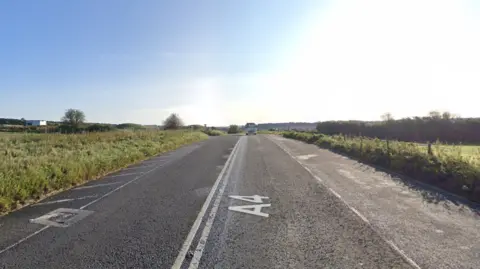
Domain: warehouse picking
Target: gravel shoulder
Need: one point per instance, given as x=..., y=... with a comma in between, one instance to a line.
x=433, y=231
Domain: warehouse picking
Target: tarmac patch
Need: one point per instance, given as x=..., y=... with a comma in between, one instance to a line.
x=62, y=217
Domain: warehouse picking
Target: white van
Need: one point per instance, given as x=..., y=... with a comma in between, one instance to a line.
x=251, y=128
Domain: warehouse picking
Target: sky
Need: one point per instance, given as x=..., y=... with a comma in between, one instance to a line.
x=230, y=62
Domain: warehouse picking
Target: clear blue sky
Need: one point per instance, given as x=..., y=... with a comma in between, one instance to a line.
x=229, y=61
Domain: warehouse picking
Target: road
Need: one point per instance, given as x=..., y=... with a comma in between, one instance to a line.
x=242, y=202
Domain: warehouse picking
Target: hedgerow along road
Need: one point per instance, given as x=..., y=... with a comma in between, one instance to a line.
x=242, y=202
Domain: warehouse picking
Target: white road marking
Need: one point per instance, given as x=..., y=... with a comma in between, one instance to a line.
x=24, y=239
x=92, y=202
x=140, y=175
x=251, y=209
x=306, y=157
x=346, y=173
x=129, y=174
x=95, y=186
x=65, y=200
x=188, y=241
x=359, y=214
x=62, y=217
x=209, y=223
x=390, y=243
x=334, y=193
x=253, y=199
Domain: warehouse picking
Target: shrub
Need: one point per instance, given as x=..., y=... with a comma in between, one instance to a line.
x=233, y=129
x=451, y=172
x=97, y=127
x=212, y=132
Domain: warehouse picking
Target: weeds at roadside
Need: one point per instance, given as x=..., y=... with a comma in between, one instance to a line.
x=445, y=168
x=32, y=165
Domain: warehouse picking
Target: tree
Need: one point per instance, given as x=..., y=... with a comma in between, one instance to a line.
x=233, y=129
x=172, y=122
x=436, y=115
x=73, y=118
x=387, y=117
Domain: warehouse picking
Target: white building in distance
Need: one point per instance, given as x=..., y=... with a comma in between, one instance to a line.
x=36, y=123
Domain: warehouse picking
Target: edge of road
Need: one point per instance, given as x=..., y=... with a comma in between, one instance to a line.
x=363, y=218
x=32, y=202
x=38, y=231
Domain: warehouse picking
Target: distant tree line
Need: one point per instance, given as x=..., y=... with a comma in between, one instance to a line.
x=436, y=126
x=74, y=121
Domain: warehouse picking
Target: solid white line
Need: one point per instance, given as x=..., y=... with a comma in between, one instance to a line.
x=138, y=177
x=23, y=239
x=403, y=254
x=65, y=200
x=92, y=202
x=334, y=193
x=121, y=186
x=359, y=214
x=188, y=241
x=209, y=223
x=390, y=243
x=127, y=174
x=95, y=186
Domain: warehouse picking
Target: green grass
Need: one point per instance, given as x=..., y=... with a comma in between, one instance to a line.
x=449, y=167
x=270, y=132
x=33, y=165
x=465, y=150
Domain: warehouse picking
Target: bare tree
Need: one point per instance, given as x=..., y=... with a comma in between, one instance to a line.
x=173, y=122
x=73, y=118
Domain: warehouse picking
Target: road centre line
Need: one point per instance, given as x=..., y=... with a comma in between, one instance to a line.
x=193, y=231
x=390, y=243
x=83, y=207
x=197, y=256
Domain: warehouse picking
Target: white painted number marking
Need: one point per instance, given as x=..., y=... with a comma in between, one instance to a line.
x=254, y=199
x=250, y=209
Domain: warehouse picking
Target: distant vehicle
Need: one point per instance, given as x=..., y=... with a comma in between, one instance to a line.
x=251, y=128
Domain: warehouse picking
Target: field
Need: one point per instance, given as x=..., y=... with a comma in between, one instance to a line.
x=465, y=150
x=33, y=165
x=453, y=168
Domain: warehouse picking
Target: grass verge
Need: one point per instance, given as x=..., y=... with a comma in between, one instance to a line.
x=34, y=165
x=446, y=168
x=214, y=132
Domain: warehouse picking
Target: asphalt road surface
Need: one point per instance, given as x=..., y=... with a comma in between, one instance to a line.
x=242, y=202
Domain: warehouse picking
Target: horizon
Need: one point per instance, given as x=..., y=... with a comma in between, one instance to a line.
x=227, y=62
